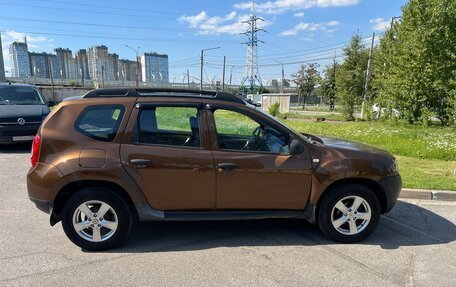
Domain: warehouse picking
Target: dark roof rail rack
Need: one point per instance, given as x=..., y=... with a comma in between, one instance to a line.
x=162, y=92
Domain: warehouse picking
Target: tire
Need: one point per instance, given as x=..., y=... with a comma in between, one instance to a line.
x=340, y=220
x=87, y=228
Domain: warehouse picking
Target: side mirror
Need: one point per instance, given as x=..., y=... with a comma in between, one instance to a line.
x=51, y=103
x=296, y=147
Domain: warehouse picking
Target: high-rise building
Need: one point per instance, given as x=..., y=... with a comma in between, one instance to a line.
x=127, y=70
x=67, y=63
x=102, y=65
x=97, y=58
x=39, y=65
x=82, y=64
x=20, y=61
x=43, y=64
x=112, y=67
x=155, y=68
x=2, y=64
x=54, y=66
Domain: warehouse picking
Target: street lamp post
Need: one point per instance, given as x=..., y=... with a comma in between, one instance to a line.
x=102, y=75
x=82, y=77
x=137, y=63
x=202, y=63
x=231, y=72
x=393, y=19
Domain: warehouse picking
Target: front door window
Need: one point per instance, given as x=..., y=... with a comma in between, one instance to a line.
x=236, y=131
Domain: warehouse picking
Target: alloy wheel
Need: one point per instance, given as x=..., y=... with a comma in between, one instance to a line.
x=95, y=221
x=351, y=215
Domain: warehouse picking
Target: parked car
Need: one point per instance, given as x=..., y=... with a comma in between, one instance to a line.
x=377, y=111
x=22, y=109
x=164, y=154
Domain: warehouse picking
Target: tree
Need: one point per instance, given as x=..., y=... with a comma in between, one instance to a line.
x=328, y=84
x=350, y=76
x=306, y=80
x=419, y=62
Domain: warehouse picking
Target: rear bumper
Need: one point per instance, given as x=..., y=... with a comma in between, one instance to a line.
x=43, y=205
x=43, y=182
x=392, y=186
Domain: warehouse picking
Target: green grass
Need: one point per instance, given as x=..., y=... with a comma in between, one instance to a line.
x=427, y=173
x=426, y=155
x=232, y=123
x=406, y=140
x=307, y=115
x=175, y=118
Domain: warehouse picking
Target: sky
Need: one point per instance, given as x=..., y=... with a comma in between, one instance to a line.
x=296, y=31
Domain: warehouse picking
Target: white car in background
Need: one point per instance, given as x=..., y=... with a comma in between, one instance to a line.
x=377, y=111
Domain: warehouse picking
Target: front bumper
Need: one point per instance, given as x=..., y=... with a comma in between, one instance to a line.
x=392, y=186
x=13, y=133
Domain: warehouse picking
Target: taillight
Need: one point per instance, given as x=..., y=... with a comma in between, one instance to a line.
x=35, y=150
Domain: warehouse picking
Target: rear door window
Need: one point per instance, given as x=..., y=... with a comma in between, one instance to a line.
x=170, y=126
x=100, y=122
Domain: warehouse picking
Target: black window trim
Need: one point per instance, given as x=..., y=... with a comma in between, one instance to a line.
x=99, y=107
x=151, y=106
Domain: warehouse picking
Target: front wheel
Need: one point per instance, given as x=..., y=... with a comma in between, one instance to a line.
x=349, y=213
x=96, y=219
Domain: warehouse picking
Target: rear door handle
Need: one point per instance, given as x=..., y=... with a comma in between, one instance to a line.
x=139, y=162
x=226, y=166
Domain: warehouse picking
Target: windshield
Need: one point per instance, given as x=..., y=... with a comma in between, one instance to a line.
x=282, y=124
x=20, y=95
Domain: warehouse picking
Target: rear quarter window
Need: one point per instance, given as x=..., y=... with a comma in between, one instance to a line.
x=100, y=122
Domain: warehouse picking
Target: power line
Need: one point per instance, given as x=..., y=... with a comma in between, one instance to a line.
x=110, y=7
x=190, y=59
x=212, y=65
x=81, y=10
x=299, y=52
x=320, y=54
x=94, y=24
x=121, y=37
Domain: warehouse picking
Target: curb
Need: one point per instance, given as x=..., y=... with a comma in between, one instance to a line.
x=443, y=195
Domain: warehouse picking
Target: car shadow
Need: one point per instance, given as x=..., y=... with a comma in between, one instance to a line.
x=405, y=225
x=19, y=148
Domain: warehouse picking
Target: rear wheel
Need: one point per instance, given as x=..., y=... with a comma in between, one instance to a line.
x=96, y=219
x=349, y=213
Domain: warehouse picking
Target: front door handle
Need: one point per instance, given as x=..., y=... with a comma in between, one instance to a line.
x=226, y=166
x=139, y=162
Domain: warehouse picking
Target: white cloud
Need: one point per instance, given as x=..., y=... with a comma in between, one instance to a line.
x=380, y=24
x=282, y=6
x=11, y=36
x=299, y=14
x=231, y=23
x=329, y=27
x=8, y=37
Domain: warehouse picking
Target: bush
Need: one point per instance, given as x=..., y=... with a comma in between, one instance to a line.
x=73, y=83
x=274, y=110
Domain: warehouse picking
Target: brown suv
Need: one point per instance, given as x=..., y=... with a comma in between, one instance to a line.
x=161, y=154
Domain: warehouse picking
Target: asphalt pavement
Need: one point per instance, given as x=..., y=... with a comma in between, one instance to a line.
x=414, y=245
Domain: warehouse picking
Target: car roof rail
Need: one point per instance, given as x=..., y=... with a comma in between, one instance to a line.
x=163, y=92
